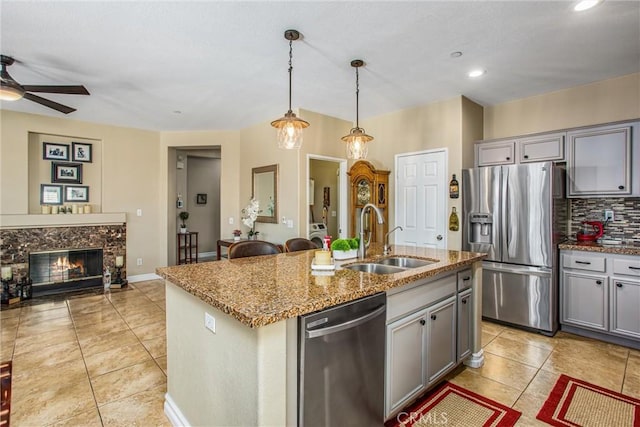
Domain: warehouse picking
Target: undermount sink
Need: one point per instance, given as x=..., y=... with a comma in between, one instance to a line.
x=404, y=262
x=370, y=267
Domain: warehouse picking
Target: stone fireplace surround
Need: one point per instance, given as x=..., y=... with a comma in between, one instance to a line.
x=22, y=234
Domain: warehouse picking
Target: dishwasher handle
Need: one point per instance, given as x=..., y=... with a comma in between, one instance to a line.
x=346, y=325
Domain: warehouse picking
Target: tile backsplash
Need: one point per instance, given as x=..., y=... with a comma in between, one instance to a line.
x=626, y=211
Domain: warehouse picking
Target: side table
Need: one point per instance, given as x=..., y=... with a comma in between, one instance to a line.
x=187, y=247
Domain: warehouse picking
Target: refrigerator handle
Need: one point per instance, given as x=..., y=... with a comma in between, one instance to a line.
x=506, y=215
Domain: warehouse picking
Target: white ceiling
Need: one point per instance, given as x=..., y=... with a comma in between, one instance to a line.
x=223, y=65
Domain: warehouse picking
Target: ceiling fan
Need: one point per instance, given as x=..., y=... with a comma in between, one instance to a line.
x=11, y=90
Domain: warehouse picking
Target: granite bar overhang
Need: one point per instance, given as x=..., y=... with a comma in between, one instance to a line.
x=259, y=291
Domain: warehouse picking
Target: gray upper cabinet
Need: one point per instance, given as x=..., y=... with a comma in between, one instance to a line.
x=599, y=161
x=542, y=148
x=496, y=153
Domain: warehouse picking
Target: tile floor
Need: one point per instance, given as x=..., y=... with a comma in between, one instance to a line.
x=101, y=361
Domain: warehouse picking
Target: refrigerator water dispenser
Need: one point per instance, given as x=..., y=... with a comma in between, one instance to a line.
x=481, y=225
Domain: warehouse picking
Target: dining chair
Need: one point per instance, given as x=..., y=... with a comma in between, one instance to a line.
x=247, y=248
x=299, y=244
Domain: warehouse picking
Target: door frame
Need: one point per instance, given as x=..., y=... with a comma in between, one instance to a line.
x=342, y=200
x=445, y=202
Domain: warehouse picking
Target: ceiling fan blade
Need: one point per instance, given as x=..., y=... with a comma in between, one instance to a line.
x=48, y=103
x=70, y=90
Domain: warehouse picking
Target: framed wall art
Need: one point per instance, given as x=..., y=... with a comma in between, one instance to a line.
x=201, y=199
x=82, y=152
x=66, y=173
x=50, y=194
x=54, y=151
x=76, y=193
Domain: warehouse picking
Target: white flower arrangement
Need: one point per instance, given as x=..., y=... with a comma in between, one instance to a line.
x=251, y=214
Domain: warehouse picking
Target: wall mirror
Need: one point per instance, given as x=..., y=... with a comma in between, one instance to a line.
x=265, y=191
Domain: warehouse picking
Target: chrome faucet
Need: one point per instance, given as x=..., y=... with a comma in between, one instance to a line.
x=362, y=249
x=387, y=246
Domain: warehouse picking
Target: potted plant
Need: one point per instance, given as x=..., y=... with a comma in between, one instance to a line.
x=345, y=248
x=184, y=216
x=236, y=234
x=251, y=214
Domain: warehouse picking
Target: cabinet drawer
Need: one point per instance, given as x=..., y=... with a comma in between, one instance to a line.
x=406, y=302
x=584, y=262
x=464, y=279
x=629, y=267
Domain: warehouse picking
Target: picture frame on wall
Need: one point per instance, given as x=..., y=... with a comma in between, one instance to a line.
x=201, y=199
x=66, y=173
x=55, y=151
x=82, y=152
x=50, y=194
x=76, y=193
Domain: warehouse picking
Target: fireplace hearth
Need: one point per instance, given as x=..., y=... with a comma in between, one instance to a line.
x=65, y=270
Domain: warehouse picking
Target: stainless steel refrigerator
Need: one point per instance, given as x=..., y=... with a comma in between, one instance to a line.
x=517, y=214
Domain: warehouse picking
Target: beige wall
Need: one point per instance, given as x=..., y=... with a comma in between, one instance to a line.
x=600, y=102
x=438, y=125
x=130, y=175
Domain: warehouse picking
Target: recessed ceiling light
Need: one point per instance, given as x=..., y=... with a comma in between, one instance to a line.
x=476, y=73
x=586, y=4
x=457, y=54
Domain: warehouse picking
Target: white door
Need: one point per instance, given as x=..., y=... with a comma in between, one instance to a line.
x=421, y=201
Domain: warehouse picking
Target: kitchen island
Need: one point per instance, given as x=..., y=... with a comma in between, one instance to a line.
x=245, y=373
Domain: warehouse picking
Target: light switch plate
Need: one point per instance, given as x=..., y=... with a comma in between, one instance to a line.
x=608, y=215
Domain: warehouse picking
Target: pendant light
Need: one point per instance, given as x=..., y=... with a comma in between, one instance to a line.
x=357, y=139
x=289, y=126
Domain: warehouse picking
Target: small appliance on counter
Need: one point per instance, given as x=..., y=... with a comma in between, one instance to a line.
x=591, y=231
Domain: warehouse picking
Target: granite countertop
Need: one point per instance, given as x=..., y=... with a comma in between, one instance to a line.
x=262, y=290
x=623, y=249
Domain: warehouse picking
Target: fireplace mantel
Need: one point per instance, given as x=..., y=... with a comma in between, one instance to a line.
x=61, y=220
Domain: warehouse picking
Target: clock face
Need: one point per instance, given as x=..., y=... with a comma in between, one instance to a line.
x=364, y=192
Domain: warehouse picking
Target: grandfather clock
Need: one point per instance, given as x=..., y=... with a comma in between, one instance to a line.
x=368, y=185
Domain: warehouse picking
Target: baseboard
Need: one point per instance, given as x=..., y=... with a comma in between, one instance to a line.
x=211, y=254
x=173, y=413
x=613, y=339
x=143, y=277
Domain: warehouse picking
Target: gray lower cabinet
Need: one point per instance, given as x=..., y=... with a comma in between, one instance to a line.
x=441, y=339
x=421, y=337
x=601, y=292
x=625, y=307
x=465, y=323
x=585, y=301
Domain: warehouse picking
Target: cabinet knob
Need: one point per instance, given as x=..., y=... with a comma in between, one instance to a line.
x=619, y=284
x=464, y=301
x=620, y=187
x=433, y=317
x=598, y=282
x=439, y=237
x=508, y=158
x=526, y=156
x=423, y=322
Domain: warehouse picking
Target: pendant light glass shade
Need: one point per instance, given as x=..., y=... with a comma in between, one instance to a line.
x=289, y=126
x=357, y=139
x=289, y=130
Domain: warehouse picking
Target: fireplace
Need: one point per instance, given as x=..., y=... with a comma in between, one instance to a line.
x=65, y=270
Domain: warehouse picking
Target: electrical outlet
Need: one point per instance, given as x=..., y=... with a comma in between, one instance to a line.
x=230, y=220
x=139, y=212
x=210, y=322
x=608, y=215
x=139, y=261
x=289, y=223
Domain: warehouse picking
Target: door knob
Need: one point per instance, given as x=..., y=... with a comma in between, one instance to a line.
x=439, y=237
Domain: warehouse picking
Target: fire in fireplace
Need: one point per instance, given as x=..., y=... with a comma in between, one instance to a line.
x=64, y=270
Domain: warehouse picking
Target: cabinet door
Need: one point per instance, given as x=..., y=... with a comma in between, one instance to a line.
x=495, y=153
x=625, y=303
x=465, y=325
x=441, y=339
x=584, y=300
x=600, y=161
x=542, y=148
x=405, y=370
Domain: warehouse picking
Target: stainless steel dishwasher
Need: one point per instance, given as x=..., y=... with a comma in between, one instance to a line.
x=341, y=364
